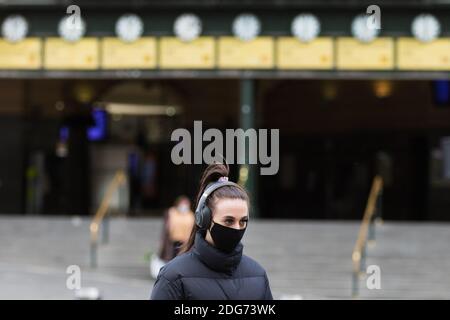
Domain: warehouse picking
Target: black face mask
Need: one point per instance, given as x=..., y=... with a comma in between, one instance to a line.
x=225, y=238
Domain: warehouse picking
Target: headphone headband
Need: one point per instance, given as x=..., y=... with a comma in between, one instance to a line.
x=202, y=212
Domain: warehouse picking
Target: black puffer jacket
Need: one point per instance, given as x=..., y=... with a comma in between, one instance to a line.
x=206, y=273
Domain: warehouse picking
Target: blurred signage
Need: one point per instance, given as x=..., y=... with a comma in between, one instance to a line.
x=293, y=54
x=238, y=54
x=196, y=54
x=353, y=54
x=226, y=52
x=25, y=54
x=415, y=55
x=140, y=54
x=61, y=54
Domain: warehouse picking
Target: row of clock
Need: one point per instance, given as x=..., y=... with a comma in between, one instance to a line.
x=188, y=26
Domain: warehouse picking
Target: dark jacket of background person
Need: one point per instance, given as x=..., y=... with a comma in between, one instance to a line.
x=206, y=273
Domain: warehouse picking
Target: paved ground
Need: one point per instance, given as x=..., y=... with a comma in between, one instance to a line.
x=304, y=259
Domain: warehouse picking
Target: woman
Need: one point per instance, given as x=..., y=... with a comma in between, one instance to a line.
x=178, y=223
x=212, y=266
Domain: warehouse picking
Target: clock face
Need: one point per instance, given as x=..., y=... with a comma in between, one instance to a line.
x=14, y=28
x=426, y=27
x=129, y=27
x=361, y=31
x=246, y=27
x=306, y=27
x=71, y=28
x=188, y=27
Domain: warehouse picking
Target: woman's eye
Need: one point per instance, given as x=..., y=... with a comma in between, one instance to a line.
x=229, y=221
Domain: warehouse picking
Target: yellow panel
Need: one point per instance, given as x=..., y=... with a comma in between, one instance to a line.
x=254, y=54
x=294, y=54
x=61, y=54
x=415, y=55
x=355, y=55
x=140, y=54
x=197, y=54
x=25, y=54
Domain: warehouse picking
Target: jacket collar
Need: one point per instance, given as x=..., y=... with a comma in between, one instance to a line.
x=216, y=259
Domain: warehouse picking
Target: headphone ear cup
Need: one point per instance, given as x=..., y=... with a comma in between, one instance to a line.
x=199, y=218
x=206, y=217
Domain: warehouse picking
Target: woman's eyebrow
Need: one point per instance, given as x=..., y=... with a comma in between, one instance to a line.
x=232, y=217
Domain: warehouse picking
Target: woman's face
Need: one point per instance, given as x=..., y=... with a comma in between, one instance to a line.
x=232, y=213
x=184, y=205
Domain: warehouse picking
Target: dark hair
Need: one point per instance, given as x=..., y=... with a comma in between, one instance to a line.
x=181, y=198
x=212, y=174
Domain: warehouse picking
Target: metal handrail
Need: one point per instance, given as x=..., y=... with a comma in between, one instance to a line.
x=366, y=233
x=99, y=217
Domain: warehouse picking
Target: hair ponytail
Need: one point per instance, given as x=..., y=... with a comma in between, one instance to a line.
x=213, y=173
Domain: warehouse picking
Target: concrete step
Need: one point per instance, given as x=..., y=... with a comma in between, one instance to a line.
x=303, y=259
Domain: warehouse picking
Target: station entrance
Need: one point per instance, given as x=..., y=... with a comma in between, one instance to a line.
x=335, y=136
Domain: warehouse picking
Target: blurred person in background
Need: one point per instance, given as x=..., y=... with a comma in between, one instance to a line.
x=212, y=265
x=177, y=226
